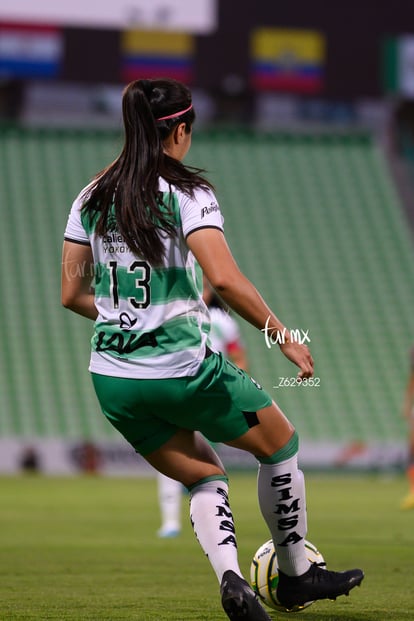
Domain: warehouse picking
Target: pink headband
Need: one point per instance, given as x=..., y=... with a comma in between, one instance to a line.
x=171, y=116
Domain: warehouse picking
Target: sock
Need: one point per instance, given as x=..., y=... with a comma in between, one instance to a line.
x=169, y=497
x=282, y=501
x=213, y=525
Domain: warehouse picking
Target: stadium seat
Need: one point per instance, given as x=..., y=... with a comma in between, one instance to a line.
x=314, y=221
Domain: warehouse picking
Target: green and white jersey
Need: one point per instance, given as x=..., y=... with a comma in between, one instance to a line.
x=152, y=321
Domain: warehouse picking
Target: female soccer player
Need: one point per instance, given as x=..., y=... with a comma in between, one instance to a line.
x=145, y=228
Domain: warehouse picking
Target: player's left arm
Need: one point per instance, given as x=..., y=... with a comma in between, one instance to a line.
x=77, y=275
x=210, y=248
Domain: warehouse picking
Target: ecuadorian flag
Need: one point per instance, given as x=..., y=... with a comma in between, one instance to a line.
x=152, y=54
x=287, y=60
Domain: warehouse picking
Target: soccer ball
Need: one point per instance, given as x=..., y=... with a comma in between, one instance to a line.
x=264, y=577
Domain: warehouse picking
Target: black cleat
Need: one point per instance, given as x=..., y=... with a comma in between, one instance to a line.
x=239, y=600
x=316, y=583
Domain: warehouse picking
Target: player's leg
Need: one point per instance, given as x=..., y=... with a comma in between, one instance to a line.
x=169, y=499
x=183, y=455
x=189, y=458
x=247, y=419
x=281, y=492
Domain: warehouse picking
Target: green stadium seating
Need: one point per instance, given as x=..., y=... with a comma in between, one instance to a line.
x=313, y=220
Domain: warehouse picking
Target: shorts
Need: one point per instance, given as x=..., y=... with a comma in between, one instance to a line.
x=220, y=401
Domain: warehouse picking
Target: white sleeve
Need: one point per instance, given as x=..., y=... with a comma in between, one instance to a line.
x=75, y=230
x=200, y=211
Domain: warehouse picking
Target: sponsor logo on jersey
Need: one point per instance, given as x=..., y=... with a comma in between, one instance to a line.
x=126, y=322
x=123, y=345
x=205, y=211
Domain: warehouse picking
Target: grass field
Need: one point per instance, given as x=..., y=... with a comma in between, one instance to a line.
x=84, y=549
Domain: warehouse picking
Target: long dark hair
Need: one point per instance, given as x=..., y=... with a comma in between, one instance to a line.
x=128, y=188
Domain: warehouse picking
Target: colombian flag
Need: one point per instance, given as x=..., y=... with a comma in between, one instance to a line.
x=152, y=54
x=287, y=60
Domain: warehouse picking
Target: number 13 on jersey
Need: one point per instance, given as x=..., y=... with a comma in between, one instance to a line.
x=130, y=282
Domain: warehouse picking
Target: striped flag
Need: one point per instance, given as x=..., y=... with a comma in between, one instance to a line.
x=152, y=54
x=30, y=51
x=287, y=60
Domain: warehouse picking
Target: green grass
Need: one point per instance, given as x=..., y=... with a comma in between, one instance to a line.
x=84, y=549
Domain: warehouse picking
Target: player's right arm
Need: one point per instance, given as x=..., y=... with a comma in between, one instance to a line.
x=76, y=280
x=213, y=254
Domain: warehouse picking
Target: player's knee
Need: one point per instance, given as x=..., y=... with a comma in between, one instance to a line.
x=203, y=480
x=285, y=452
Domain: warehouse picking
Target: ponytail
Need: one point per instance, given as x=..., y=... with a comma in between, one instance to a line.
x=128, y=189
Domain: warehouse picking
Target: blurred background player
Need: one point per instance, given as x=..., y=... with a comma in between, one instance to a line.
x=408, y=501
x=224, y=337
x=224, y=334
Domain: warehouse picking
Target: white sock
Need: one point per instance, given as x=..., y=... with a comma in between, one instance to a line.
x=169, y=496
x=282, y=501
x=213, y=525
